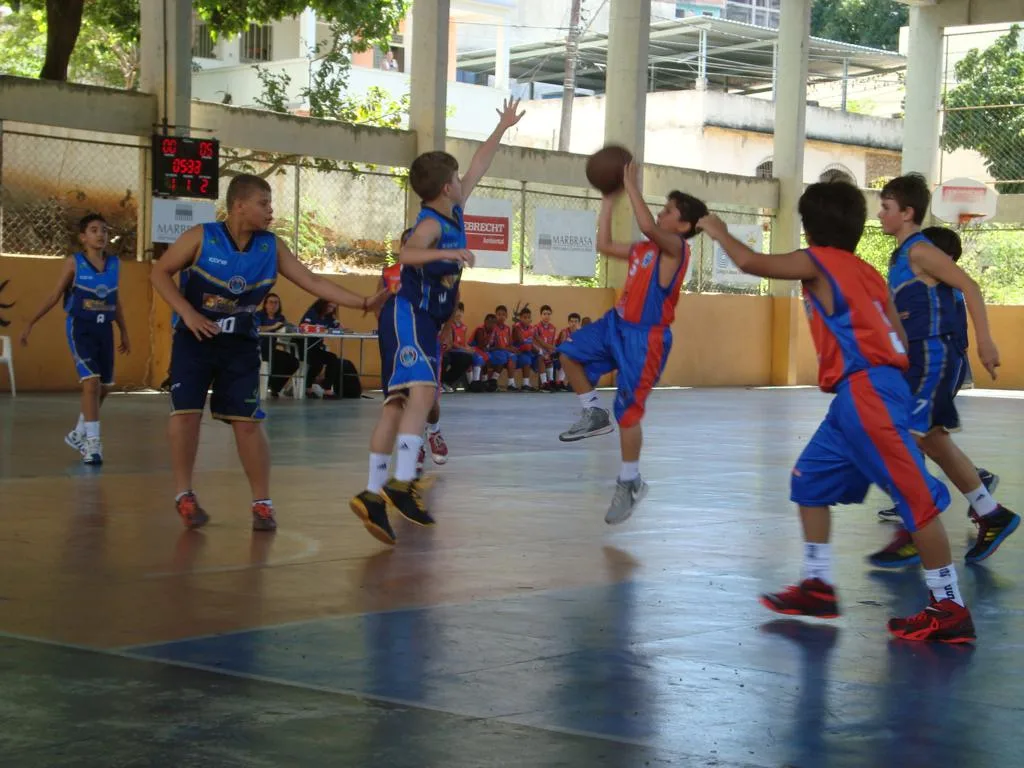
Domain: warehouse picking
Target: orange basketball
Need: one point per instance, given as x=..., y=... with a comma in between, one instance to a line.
x=605, y=168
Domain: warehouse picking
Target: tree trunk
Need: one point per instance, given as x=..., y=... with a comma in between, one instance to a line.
x=63, y=23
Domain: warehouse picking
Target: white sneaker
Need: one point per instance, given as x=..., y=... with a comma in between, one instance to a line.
x=318, y=391
x=92, y=451
x=627, y=496
x=75, y=439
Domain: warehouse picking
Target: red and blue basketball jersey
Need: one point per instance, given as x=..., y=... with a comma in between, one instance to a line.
x=546, y=332
x=501, y=337
x=643, y=300
x=857, y=335
x=459, y=335
x=525, y=336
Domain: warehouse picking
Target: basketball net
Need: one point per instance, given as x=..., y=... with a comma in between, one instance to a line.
x=965, y=219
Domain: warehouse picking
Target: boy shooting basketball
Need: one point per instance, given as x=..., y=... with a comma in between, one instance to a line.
x=432, y=261
x=88, y=284
x=635, y=337
x=865, y=438
x=227, y=268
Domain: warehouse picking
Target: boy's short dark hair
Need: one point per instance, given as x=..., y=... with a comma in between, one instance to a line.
x=574, y=314
x=833, y=214
x=545, y=308
x=690, y=209
x=490, y=316
x=243, y=186
x=525, y=311
x=89, y=218
x=462, y=307
x=500, y=307
x=946, y=240
x=430, y=172
x=910, y=191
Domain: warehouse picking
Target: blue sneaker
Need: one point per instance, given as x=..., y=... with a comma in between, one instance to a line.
x=993, y=530
x=901, y=552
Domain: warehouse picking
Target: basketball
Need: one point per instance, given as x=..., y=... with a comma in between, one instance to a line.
x=605, y=168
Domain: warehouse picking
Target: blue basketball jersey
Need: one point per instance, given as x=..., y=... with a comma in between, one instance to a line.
x=228, y=285
x=92, y=296
x=434, y=287
x=926, y=310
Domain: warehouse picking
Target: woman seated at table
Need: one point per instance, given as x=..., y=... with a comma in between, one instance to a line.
x=319, y=358
x=283, y=363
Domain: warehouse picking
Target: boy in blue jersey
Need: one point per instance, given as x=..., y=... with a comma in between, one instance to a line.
x=88, y=284
x=227, y=269
x=865, y=437
x=432, y=261
x=948, y=241
x=924, y=281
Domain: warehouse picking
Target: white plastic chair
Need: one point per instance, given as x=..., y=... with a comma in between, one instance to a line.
x=7, y=358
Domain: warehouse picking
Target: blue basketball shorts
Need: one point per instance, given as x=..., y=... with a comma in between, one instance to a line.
x=500, y=358
x=528, y=360
x=864, y=439
x=637, y=352
x=410, y=353
x=936, y=373
x=92, y=349
x=227, y=364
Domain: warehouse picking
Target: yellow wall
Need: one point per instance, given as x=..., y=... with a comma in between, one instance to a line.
x=719, y=340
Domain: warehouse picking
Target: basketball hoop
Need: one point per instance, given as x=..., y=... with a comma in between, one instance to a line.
x=964, y=202
x=966, y=219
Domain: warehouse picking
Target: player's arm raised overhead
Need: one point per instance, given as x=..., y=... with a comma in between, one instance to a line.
x=179, y=256
x=419, y=248
x=67, y=276
x=935, y=264
x=507, y=117
x=670, y=243
x=797, y=265
x=293, y=269
x=605, y=244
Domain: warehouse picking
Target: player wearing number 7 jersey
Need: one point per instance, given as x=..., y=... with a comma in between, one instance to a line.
x=227, y=269
x=865, y=438
x=88, y=284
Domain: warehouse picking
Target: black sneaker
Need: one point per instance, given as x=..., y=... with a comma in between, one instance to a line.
x=372, y=509
x=989, y=480
x=898, y=553
x=406, y=498
x=993, y=529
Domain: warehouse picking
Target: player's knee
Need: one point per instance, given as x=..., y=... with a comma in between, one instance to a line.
x=245, y=429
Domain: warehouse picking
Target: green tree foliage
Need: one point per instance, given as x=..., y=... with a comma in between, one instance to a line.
x=874, y=23
x=990, y=78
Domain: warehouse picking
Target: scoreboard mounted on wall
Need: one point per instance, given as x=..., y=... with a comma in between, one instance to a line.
x=185, y=167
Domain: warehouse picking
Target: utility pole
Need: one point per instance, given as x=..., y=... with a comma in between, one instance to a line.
x=572, y=47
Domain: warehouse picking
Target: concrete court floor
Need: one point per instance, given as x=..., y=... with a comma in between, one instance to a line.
x=521, y=631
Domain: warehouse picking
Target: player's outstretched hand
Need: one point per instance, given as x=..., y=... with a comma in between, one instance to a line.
x=507, y=115
x=713, y=226
x=631, y=176
x=465, y=257
x=201, y=327
x=989, y=355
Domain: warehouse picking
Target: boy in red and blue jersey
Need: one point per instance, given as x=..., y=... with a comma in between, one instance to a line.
x=545, y=335
x=563, y=336
x=634, y=338
x=925, y=282
x=865, y=437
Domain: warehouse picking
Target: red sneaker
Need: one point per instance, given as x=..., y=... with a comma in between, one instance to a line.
x=811, y=597
x=438, y=448
x=192, y=515
x=263, y=517
x=943, y=621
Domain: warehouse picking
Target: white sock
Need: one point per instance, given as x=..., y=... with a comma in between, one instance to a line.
x=818, y=561
x=476, y=372
x=590, y=399
x=943, y=584
x=181, y=495
x=433, y=429
x=494, y=376
x=630, y=471
x=92, y=429
x=268, y=502
x=981, y=501
x=408, y=454
x=561, y=375
x=379, y=465
x=511, y=381
x=543, y=377
x=80, y=427
x=551, y=373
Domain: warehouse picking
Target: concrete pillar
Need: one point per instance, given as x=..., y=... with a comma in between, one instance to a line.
x=307, y=33
x=501, y=56
x=788, y=168
x=165, y=59
x=165, y=70
x=625, y=107
x=924, y=92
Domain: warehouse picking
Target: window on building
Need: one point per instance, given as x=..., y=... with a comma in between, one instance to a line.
x=837, y=172
x=763, y=13
x=258, y=43
x=764, y=169
x=203, y=44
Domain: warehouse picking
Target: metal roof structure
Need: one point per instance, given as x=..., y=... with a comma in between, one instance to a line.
x=734, y=57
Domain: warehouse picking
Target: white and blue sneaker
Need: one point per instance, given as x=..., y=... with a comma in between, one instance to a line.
x=92, y=451
x=75, y=439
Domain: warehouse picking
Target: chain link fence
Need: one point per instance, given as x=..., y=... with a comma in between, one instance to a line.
x=50, y=182
x=338, y=217
x=983, y=142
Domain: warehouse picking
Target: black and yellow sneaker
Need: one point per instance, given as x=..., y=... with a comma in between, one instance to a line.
x=372, y=509
x=407, y=499
x=993, y=529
